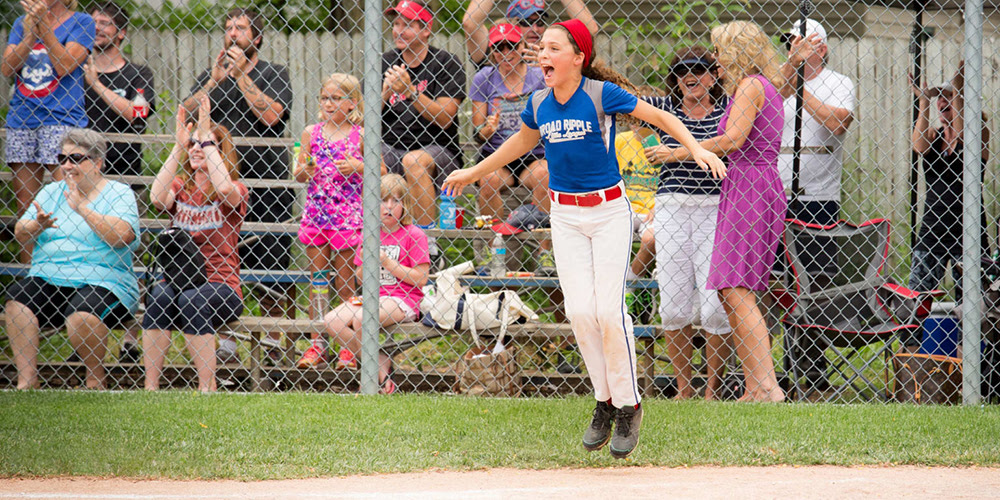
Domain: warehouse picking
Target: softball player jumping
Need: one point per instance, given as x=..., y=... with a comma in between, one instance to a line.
x=591, y=218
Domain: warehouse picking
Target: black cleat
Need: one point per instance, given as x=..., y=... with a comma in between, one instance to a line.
x=626, y=438
x=597, y=435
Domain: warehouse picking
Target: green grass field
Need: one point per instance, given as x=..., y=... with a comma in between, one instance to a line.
x=185, y=435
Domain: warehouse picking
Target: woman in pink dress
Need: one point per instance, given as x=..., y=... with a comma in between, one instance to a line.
x=752, y=203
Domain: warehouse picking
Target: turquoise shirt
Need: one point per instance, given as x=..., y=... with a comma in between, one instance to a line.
x=73, y=255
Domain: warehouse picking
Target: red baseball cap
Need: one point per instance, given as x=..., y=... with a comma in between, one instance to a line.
x=505, y=32
x=411, y=10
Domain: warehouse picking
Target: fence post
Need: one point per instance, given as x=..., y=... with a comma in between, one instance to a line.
x=972, y=203
x=371, y=196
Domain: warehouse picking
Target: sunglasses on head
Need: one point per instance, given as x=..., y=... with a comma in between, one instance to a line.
x=75, y=158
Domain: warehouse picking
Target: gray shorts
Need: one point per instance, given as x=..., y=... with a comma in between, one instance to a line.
x=39, y=145
x=445, y=160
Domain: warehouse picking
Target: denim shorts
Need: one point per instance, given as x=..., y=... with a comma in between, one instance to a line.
x=39, y=145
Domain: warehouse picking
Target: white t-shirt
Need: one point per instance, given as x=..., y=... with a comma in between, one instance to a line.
x=819, y=174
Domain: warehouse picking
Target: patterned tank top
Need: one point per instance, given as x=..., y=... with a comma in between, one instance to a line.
x=333, y=201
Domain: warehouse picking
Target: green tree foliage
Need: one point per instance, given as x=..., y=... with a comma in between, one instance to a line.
x=650, y=60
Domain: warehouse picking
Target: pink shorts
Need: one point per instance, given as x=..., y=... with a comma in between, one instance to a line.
x=337, y=239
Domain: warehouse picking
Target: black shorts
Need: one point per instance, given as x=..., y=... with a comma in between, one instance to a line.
x=197, y=311
x=517, y=166
x=53, y=304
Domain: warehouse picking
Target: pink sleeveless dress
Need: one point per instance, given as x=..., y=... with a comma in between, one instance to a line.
x=752, y=202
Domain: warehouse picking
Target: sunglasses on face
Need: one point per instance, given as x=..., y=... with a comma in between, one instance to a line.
x=534, y=20
x=75, y=158
x=698, y=70
x=504, y=47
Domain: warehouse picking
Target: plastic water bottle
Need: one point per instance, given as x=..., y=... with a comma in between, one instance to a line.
x=296, y=150
x=447, y=212
x=320, y=298
x=140, y=106
x=498, y=257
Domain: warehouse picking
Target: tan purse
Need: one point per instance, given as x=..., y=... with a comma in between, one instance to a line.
x=485, y=371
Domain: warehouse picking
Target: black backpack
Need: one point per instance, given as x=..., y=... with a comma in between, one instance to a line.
x=180, y=259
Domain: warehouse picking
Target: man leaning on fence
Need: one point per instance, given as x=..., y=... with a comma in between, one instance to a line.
x=421, y=91
x=828, y=110
x=252, y=98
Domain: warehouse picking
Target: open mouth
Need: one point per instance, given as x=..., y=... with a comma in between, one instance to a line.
x=547, y=71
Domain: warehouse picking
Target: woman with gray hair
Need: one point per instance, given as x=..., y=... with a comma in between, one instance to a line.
x=84, y=229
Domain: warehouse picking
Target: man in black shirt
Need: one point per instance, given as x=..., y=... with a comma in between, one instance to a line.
x=421, y=92
x=252, y=98
x=113, y=83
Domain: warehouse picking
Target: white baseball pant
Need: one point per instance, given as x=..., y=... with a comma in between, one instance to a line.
x=592, y=247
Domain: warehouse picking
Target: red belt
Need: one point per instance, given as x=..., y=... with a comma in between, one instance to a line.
x=586, y=200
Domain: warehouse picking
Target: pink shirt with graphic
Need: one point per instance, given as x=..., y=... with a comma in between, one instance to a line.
x=408, y=246
x=215, y=228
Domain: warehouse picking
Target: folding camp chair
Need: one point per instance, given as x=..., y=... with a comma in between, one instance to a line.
x=843, y=307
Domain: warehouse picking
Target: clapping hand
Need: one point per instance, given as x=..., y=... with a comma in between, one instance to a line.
x=398, y=80
x=491, y=125
x=46, y=220
x=75, y=198
x=182, y=129
x=205, y=118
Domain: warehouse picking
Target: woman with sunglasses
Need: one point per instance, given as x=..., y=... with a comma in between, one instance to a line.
x=198, y=186
x=498, y=95
x=687, y=205
x=84, y=230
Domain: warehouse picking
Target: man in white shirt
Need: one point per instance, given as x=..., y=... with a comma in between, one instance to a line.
x=828, y=105
x=828, y=110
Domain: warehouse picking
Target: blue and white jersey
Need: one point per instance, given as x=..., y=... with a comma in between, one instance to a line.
x=579, y=136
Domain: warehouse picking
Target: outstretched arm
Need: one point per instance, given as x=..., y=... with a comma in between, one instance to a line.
x=514, y=147
x=673, y=126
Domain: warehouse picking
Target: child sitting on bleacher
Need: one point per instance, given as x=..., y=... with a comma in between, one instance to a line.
x=331, y=162
x=405, y=263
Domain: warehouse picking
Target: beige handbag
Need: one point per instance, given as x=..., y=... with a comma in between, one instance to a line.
x=483, y=371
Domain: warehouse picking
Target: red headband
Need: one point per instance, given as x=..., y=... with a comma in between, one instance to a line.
x=581, y=35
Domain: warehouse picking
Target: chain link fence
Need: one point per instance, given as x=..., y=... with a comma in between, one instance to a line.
x=216, y=242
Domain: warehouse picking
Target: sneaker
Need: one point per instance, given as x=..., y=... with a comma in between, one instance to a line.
x=129, y=355
x=626, y=437
x=346, y=360
x=224, y=357
x=546, y=264
x=311, y=358
x=597, y=435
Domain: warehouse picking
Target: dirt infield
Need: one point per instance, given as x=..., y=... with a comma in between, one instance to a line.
x=575, y=484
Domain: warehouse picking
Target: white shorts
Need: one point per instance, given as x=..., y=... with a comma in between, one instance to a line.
x=411, y=315
x=685, y=236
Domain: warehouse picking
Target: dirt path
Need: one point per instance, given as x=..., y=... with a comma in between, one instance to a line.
x=574, y=484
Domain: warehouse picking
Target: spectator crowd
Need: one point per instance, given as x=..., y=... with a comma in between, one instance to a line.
x=713, y=235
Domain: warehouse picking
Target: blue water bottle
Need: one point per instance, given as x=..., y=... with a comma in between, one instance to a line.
x=447, y=212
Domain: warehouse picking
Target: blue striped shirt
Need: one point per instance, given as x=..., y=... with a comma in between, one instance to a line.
x=687, y=177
